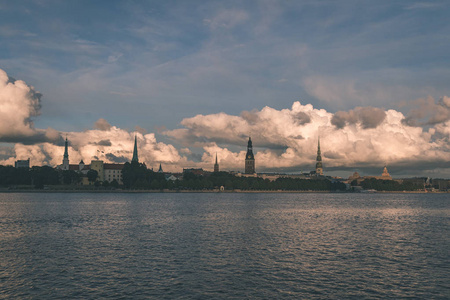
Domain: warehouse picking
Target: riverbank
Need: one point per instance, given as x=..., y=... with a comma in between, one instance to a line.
x=196, y=191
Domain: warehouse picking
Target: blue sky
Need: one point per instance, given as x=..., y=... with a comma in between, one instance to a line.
x=368, y=68
x=153, y=63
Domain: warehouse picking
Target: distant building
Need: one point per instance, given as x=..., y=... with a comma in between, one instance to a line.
x=385, y=175
x=22, y=164
x=171, y=177
x=106, y=171
x=160, y=169
x=249, y=158
x=355, y=176
x=319, y=168
x=113, y=172
x=135, y=152
x=97, y=165
x=216, y=166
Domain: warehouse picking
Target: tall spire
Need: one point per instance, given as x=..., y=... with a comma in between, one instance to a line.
x=65, y=162
x=135, y=153
x=66, y=151
x=319, y=168
x=160, y=169
x=216, y=165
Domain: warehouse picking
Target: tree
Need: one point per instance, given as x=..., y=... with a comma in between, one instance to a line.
x=92, y=175
x=114, y=184
x=70, y=177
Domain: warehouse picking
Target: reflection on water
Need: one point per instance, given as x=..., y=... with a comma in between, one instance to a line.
x=224, y=246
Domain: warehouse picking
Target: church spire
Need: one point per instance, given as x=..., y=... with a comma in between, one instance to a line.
x=216, y=165
x=135, y=152
x=66, y=150
x=319, y=168
x=65, y=162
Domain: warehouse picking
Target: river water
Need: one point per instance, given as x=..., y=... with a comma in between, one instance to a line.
x=224, y=246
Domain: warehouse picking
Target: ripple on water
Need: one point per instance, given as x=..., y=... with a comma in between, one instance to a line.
x=186, y=246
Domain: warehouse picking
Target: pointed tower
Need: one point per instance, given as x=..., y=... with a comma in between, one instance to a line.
x=216, y=166
x=250, y=158
x=135, y=153
x=319, y=168
x=160, y=169
x=65, y=162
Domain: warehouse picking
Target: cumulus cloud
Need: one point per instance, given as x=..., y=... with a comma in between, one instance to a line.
x=284, y=140
x=287, y=138
x=114, y=145
x=19, y=103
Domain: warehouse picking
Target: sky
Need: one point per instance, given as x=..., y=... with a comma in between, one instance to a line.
x=194, y=78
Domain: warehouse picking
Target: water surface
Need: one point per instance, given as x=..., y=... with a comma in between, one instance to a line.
x=224, y=246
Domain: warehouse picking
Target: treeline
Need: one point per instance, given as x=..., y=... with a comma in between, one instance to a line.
x=389, y=185
x=137, y=176
x=36, y=176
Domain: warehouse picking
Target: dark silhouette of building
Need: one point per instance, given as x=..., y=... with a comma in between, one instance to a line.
x=319, y=168
x=65, y=162
x=160, y=169
x=216, y=165
x=22, y=164
x=250, y=158
x=135, y=152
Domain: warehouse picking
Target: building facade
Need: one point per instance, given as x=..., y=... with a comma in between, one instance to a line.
x=22, y=164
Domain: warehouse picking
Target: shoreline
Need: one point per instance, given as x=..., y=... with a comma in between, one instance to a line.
x=118, y=191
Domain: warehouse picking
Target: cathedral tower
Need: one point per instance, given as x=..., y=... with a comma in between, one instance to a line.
x=65, y=162
x=249, y=158
x=216, y=166
x=319, y=168
x=135, y=153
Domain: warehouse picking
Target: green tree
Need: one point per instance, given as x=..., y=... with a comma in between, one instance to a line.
x=114, y=184
x=92, y=175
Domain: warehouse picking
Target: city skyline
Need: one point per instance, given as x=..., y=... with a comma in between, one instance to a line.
x=194, y=80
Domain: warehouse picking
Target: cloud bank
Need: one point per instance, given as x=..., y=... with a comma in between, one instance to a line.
x=359, y=138
x=284, y=139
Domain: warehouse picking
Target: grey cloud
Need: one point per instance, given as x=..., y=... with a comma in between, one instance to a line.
x=106, y=143
x=368, y=117
x=302, y=118
x=250, y=116
x=428, y=112
x=117, y=159
x=333, y=155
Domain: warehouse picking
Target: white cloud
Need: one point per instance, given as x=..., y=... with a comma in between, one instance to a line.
x=284, y=140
